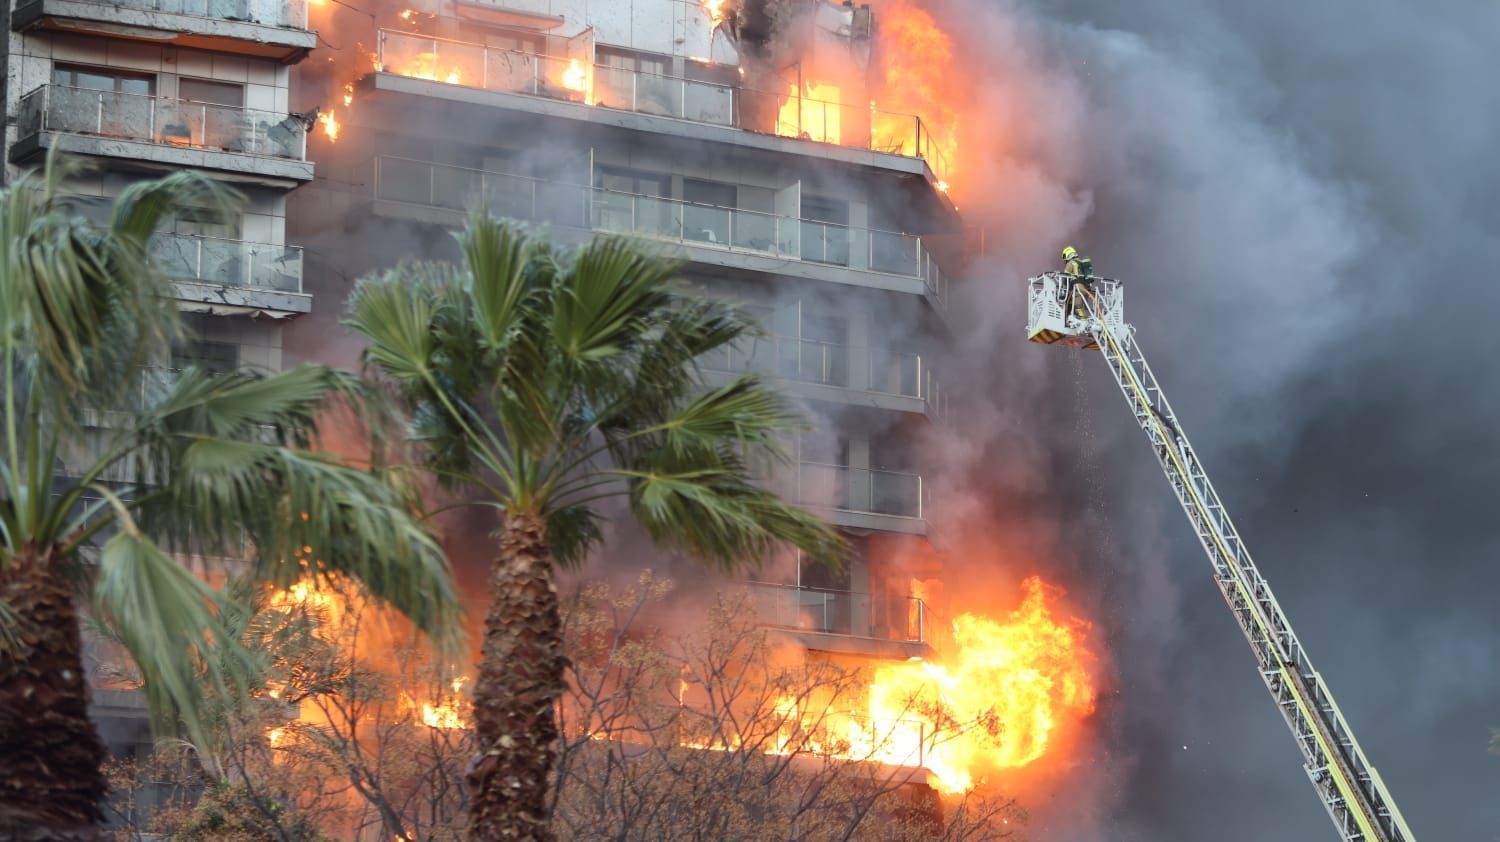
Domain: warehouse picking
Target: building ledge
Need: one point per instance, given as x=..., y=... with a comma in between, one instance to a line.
x=260, y=170
x=242, y=37
x=849, y=644
x=869, y=521
x=634, y=121
x=248, y=300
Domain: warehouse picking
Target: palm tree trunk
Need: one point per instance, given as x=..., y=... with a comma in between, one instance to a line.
x=520, y=679
x=51, y=784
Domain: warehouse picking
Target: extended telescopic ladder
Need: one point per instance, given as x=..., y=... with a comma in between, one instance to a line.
x=1347, y=784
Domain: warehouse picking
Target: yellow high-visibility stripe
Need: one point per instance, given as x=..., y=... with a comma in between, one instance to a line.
x=1356, y=808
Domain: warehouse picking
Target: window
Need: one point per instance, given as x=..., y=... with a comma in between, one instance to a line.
x=209, y=356
x=103, y=79
x=825, y=230
x=822, y=351
x=707, y=217
x=214, y=93
x=626, y=203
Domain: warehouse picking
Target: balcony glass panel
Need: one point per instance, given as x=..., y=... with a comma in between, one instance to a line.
x=880, y=616
x=161, y=120
x=228, y=262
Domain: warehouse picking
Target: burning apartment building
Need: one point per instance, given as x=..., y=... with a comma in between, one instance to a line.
x=784, y=152
x=747, y=141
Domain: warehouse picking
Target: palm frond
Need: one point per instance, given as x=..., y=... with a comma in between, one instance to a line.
x=497, y=256
x=571, y=532
x=716, y=514
x=309, y=512
x=396, y=316
x=607, y=290
x=173, y=625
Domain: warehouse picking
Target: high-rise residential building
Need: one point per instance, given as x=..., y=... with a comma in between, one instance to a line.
x=711, y=137
x=718, y=141
x=141, y=88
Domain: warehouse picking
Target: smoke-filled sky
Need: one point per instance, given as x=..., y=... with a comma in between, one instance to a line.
x=1303, y=200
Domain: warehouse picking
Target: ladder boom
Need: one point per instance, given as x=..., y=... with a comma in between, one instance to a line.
x=1349, y=787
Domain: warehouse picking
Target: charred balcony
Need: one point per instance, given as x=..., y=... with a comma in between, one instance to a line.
x=713, y=235
x=571, y=86
x=876, y=624
x=261, y=147
x=274, y=29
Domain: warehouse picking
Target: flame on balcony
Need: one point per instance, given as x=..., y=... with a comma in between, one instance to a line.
x=575, y=78
x=995, y=700
x=446, y=712
x=424, y=65
x=812, y=113
x=330, y=122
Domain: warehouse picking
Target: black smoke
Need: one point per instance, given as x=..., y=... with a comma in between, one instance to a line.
x=1304, y=202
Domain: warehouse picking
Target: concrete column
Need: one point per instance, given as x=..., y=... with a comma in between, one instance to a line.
x=859, y=235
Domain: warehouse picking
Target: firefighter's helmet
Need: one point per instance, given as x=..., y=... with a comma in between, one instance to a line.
x=1069, y=253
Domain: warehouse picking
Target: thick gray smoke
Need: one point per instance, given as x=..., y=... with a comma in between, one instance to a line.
x=1301, y=199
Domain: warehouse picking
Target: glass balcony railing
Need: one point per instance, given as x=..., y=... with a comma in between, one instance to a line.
x=830, y=364
x=576, y=79
x=877, y=616
x=859, y=490
x=228, y=262
x=285, y=14
x=169, y=122
x=732, y=229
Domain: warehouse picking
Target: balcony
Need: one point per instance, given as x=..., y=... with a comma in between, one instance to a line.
x=233, y=272
x=263, y=146
x=857, y=376
x=274, y=29
x=723, y=236
x=575, y=80
x=889, y=624
x=858, y=498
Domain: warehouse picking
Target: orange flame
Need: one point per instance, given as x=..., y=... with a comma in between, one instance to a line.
x=812, y=114
x=424, y=65
x=330, y=122
x=445, y=712
x=920, y=78
x=574, y=79
x=715, y=10
x=997, y=700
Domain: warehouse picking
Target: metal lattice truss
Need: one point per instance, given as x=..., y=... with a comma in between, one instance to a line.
x=1349, y=787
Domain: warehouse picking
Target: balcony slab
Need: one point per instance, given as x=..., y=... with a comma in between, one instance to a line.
x=271, y=302
x=686, y=130
x=248, y=38
x=868, y=647
x=260, y=170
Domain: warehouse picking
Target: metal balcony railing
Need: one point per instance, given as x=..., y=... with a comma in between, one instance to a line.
x=831, y=364
x=233, y=263
x=169, y=122
x=859, y=490
x=576, y=79
x=716, y=226
x=876, y=616
x=285, y=14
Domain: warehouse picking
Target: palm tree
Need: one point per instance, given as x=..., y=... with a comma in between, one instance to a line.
x=541, y=382
x=110, y=476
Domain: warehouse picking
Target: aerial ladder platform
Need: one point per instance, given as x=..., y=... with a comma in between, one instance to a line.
x=1091, y=316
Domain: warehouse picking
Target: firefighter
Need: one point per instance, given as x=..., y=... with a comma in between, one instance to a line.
x=1080, y=272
